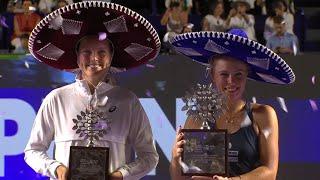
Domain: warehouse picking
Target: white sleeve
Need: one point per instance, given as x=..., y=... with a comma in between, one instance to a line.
x=189, y=3
x=251, y=21
x=290, y=21
x=140, y=136
x=268, y=28
x=167, y=3
x=69, y=1
x=41, y=136
x=233, y=23
x=43, y=5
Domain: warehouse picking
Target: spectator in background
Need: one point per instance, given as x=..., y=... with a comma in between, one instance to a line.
x=259, y=7
x=256, y=7
x=279, y=9
x=20, y=44
x=173, y=20
x=186, y=5
x=291, y=7
x=47, y=6
x=17, y=6
x=7, y=25
x=60, y=4
x=24, y=22
x=238, y=18
x=187, y=28
x=214, y=20
x=281, y=41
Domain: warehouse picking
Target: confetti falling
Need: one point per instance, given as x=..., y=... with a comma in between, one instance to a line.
x=150, y=66
x=148, y=93
x=282, y=104
x=102, y=36
x=161, y=85
x=295, y=49
x=254, y=100
x=3, y=22
x=31, y=8
x=26, y=64
x=313, y=104
x=313, y=79
x=266, y=132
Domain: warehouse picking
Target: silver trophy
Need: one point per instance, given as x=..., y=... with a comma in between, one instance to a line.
x=204, y=103
x=205, y=151
x=91, y=124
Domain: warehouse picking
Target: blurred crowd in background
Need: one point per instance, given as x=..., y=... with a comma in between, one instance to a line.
x=269, y=22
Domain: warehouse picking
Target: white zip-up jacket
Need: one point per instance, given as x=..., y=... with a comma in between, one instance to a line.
x=130, y=129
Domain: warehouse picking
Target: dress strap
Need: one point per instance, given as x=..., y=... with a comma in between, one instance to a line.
x=249, y=110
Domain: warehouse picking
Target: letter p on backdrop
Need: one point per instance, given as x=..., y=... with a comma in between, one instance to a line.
x=23, y=115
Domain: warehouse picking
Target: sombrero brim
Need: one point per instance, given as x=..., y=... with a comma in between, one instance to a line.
x=54, y=39
x=265, y=65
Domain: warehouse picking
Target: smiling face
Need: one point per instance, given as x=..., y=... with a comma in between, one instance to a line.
x=94, y=56
x=229, y=76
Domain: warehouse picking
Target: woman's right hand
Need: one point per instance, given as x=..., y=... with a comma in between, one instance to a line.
x=177, y=147
x=62, y=172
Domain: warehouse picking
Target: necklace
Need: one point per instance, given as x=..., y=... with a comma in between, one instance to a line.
x=233, y=117
x=95, y=87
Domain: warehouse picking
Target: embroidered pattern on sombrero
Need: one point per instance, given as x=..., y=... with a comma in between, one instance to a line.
x=188, y=51
x=50, y=51
x=269, y=78
x=213, y=47
x=137, y=51
x=263, y=63
x=116, y=25
x=70, y=26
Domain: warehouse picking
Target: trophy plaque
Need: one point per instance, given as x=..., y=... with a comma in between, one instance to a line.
x=89, y=162
x=205, y=152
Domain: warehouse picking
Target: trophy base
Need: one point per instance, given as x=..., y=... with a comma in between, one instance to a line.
x=88, y=163
x=205, y=152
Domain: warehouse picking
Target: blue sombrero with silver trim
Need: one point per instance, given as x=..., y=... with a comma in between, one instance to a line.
x=265, y=65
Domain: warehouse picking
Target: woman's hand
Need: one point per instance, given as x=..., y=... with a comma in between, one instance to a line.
x=62, y=172
x=117, y=175
x=177, y=147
